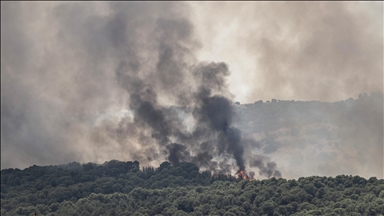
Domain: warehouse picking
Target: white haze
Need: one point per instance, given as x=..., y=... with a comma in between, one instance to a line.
x=61, y=101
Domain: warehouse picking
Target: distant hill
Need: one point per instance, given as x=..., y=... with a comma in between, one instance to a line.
x=270, y=116
x=123, y=188
x=309, y=137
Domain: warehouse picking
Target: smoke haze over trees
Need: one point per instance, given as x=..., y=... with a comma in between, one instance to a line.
x=130, y=81
x=124, y=188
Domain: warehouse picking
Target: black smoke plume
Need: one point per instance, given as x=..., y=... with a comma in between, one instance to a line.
x=136, y=56
x=217, y=110
x=176, y=152
x=266, y=169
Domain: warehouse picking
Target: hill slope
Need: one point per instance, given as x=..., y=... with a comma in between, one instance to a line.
x=122, y=188
x=309, y=137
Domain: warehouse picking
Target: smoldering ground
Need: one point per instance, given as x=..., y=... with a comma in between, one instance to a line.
x=65, y=63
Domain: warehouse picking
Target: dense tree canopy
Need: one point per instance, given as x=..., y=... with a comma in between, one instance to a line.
x=123, y=188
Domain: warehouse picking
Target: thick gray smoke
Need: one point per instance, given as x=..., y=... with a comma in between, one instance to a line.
x=266, y=170
x=108, y=57
x=213, y=115
x=91, y=82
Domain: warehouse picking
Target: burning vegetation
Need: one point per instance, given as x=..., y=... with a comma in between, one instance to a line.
x=242, y=175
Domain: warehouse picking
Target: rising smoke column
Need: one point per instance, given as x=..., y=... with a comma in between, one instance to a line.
x=213, y=113
x=94, y=57
x=217, y=112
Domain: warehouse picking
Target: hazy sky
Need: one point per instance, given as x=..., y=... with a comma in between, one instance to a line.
x=59, y=63
x=326, y=51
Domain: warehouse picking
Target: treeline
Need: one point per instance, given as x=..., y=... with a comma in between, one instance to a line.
x=123, y=188
x=261, y=117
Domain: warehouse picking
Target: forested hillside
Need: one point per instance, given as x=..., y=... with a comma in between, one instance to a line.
x=123, y=188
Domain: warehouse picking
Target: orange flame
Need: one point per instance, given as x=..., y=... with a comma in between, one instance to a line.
x=241, y=174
